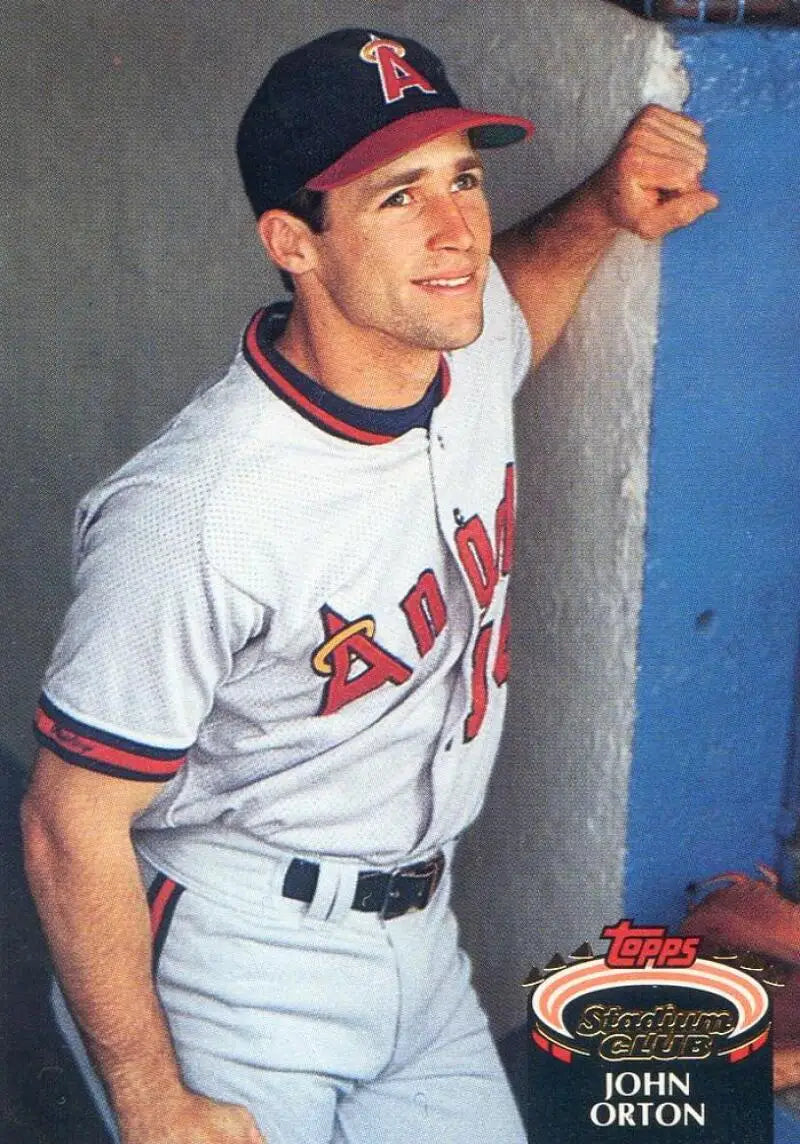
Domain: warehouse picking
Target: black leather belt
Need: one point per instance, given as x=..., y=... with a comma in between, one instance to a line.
x=388, y=894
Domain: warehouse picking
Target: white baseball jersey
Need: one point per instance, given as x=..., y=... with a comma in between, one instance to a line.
x=292, y=610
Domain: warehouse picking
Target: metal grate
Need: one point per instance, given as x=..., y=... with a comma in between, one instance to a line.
x=718, y=11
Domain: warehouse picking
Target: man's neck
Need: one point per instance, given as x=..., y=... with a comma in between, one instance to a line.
x=366, y=367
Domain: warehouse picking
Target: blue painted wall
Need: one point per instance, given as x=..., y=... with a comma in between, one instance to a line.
x=716, y=699
x=721, y=611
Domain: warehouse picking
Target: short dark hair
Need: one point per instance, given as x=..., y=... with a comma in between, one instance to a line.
x=310, y=207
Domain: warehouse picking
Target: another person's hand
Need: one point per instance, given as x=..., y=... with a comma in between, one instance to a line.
x=651, y=184
x=785, y=1068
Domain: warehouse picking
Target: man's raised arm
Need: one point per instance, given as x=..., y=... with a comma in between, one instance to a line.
x=650, y=185
x=85, y=881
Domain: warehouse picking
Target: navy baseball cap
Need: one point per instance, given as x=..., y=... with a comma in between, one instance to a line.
x=343, y=105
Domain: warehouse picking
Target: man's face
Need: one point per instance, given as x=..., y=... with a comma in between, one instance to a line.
x=405, y=248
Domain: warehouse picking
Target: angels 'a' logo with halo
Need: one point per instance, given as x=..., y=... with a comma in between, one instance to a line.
x=397, y=75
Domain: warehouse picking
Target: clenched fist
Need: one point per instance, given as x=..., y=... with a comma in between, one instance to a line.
x=652, y=182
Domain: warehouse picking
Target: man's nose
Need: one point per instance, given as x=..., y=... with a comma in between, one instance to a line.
x=449, y=227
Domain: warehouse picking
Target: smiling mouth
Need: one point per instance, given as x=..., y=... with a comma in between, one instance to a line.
x=446, y=283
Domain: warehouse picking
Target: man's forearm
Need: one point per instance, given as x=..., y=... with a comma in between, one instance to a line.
x=85, y=880
x=649, y=186
x=94, y=913
x=548, y=259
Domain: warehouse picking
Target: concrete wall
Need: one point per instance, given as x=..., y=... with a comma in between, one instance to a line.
x=557, y=812
x=129, y=268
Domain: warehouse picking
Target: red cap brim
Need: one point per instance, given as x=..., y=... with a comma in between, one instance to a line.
x=412, y=131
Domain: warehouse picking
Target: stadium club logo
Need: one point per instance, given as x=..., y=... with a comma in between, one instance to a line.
x=650, y=1040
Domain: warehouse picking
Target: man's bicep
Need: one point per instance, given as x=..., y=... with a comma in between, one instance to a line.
x=65, y=799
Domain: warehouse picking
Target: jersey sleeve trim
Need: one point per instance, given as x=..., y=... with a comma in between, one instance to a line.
x=96, y=750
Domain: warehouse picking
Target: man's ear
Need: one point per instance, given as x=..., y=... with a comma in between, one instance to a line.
x=288, y=241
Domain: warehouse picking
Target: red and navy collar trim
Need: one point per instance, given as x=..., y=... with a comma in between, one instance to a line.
x=325, y=409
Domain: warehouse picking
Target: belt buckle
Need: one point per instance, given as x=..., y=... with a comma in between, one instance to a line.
x=396, y=903
x=436, y=868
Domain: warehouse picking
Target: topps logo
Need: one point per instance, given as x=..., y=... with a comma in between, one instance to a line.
x=637, y=947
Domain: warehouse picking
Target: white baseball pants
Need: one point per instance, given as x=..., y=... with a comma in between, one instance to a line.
x=337, y=1029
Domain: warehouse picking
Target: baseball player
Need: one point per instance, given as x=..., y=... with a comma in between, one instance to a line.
x=279, y=690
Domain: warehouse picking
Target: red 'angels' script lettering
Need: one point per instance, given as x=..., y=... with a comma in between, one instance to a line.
x=475, y=549
x=485, y=567
x=425, y=611
x=480, y=689
x=483, y=564
x=502, y=662
x=352, y=661
x=504, y=525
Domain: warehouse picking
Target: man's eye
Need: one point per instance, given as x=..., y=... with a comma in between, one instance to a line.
x=398, y=199
x=467, y=180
